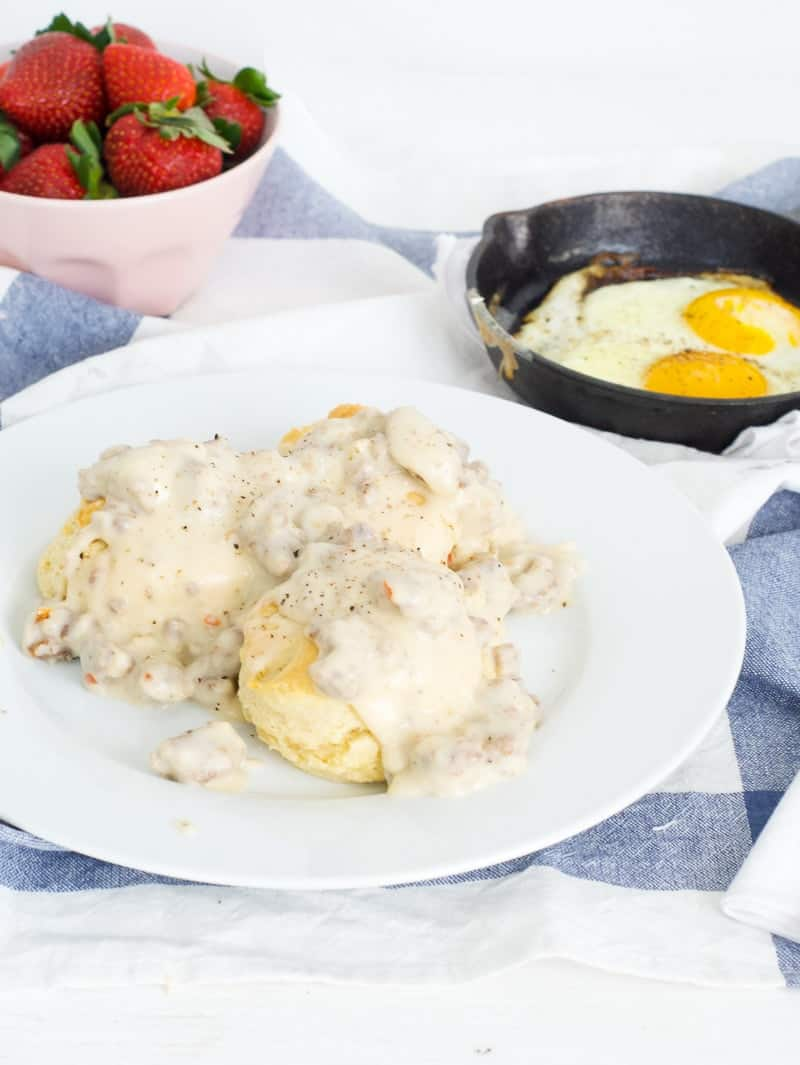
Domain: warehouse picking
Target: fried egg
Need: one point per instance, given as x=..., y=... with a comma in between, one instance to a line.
x=710, y=335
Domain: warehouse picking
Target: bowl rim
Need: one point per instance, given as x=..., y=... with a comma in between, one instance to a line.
x=623, y=392
x=54, y=203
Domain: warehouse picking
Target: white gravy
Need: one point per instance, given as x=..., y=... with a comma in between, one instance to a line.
x=185, y=539
x=401, y=642
x=213, y=755
x=158, y=580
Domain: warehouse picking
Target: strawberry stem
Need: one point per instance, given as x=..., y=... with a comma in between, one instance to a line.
x=203, y=94
x=252, y=82
x=10, y=147
x=172, y=123
x=63, y=24
x=124, y=109
x=86, y=161
x=230, y=130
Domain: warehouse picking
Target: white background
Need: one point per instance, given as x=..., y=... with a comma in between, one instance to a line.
x=435, y=90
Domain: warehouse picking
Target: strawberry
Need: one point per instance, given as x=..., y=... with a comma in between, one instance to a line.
x=140, y=75
x=14, y=145
x=120, y=33
x=47, y=172
x=59, y=172
x=4, y=68
x=156, y=148
x=229, y=105
x=52, y=81
x=237, y=103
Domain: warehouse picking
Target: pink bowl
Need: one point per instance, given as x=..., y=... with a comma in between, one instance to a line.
x=146, y=253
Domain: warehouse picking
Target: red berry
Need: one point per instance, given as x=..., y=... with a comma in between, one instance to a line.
x=139, y=75
x=228, y=102
x=124, y=34
x=46, y=172
x=52, y=81
x=141, y=161
x=4, y=68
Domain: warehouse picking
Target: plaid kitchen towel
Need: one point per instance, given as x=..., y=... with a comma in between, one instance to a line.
x=638, y=893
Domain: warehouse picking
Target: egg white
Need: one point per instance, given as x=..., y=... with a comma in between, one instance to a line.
x=618, y=331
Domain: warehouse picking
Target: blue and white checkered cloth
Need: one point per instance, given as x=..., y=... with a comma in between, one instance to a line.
x=639, y=892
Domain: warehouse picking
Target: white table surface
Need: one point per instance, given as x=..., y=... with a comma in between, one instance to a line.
x=553, y=1013
x=506, y=81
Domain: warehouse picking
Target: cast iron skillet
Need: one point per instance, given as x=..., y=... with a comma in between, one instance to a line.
x=522, y=253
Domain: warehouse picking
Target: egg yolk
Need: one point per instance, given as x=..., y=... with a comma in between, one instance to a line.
x=706, y=375
x=748, y=321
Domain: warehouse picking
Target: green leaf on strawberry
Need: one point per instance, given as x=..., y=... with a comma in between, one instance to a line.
x=172, y=123
x=105, y=36
x=10, y=147
x=124, y=109
x=203, y=96
x=231, y=131
x=63, y=24
x=252, y=82
x=87, y=162
x=110, y=31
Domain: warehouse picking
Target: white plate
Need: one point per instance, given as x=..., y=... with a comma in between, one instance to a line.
x=631, y=676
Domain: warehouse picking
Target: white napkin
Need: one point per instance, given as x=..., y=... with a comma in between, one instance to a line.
x=766, y=890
